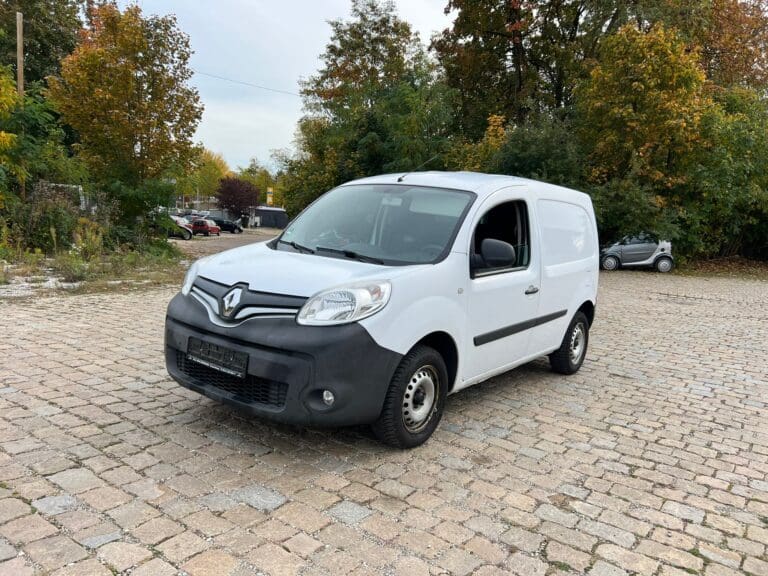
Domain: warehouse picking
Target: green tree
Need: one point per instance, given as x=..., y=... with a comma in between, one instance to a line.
x=641, y=107
x=208, y=168
x=377, y=105
x=125, y=91
x=50, y=33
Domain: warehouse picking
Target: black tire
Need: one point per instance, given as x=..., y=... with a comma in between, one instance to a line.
x=417, y=368
x=610, y=263
x=238, y=231
x=207, y=233
x=664, y=264
x=186, y=235
x=564, y=360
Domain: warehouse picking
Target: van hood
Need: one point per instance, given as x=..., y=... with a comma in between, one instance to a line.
x=290, y=273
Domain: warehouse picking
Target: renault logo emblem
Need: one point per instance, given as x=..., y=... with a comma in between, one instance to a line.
x=230, y=301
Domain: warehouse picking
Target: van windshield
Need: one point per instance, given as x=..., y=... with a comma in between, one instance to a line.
x=380, y=223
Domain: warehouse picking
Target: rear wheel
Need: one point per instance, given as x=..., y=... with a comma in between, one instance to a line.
x=664, y=264
x=573, y=349
x=186, y=235
x=610, y=263
x=415, y=399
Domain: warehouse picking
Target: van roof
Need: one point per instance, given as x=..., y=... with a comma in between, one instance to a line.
x=477, y=182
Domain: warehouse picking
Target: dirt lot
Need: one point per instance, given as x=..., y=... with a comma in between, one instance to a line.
x=651, y=460
x=200, y=246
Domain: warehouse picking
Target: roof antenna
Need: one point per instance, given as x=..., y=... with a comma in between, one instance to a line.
x=400, y=179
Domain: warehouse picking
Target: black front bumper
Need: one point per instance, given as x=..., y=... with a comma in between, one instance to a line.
x=288, y=368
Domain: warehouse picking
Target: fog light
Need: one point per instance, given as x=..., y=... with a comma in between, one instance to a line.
x=328, y=398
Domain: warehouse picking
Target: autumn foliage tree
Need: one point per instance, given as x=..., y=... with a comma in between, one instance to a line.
x=236, y=196
x=125, y=91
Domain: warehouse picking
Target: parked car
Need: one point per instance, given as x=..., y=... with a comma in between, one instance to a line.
x=387, y=294
x=206, y=227
x=183, y=229
x=229, y=225
x=641, y=250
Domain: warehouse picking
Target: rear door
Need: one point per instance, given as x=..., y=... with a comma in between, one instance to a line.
x=501, y=302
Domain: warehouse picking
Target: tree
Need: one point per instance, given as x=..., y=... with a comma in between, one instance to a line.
x=124, y=90
x=7, y=140
x=208, y=168
x=262, y=178
x=377, y=105
x=236, y=196
x=366, y=55
x=50, y=34
x=641, y=107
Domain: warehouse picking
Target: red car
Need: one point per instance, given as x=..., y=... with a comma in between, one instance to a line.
x=206, y=227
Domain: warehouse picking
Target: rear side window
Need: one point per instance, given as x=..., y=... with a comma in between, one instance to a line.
x=567, y=233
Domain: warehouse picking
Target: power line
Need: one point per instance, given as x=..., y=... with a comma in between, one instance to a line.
x=247, y=84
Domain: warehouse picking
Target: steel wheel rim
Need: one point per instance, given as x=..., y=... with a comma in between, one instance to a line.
x=578, y=342
x=609, y=263
x=664, y=265
x=419, y=399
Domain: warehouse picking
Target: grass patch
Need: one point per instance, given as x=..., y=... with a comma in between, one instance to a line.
x=156, y=264
x=564, y=566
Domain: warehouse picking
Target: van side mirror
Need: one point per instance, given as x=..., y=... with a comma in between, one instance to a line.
x=497, y=253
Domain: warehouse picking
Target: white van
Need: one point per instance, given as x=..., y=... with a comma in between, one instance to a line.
x=387, y=294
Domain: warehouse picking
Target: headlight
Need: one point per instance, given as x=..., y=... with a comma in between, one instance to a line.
x=189, y=279
x=346, y=304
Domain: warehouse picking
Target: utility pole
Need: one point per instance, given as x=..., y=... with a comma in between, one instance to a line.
x=20, y=54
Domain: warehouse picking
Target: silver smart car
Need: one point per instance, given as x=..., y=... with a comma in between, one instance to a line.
x=641, y=250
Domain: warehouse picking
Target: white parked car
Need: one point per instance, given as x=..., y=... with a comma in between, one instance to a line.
x=386, y=295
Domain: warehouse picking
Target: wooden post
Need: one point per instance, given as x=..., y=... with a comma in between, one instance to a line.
x=20, y=53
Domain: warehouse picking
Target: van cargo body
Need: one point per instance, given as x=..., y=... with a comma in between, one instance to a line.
x=386, y=295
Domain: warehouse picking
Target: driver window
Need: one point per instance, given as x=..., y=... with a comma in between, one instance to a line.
x=507, y=222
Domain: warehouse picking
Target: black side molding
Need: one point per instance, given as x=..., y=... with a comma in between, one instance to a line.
x=515, y=328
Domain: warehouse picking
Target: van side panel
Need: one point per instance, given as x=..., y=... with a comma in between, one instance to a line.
x=569, y=260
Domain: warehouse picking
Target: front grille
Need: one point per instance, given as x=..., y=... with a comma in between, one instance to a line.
x=249, y=390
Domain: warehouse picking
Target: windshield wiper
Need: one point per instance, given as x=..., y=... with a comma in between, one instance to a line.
x=298, y=247
x=351, y=254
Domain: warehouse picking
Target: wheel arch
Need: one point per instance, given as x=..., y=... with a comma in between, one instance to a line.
x=446, y=347
x=588, y=308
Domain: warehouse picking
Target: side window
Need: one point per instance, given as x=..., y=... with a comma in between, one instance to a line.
x=507, y=222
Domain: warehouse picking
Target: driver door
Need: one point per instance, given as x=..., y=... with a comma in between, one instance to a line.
x=502, y=302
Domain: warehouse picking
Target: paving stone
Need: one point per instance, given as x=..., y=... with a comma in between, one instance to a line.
x=90, y=567
x=55, y=552
x=6, y=551
x=27, y=529
x=302, y=544
x=16, y=567
x=211, y=563
x=157, y=530
x=53, y=505
x=76, y=480
x=11, y=508
x=276, y=561
x=259, y=497
x=522, y=565
x=181, y=547
x=155, y=567
x=123, y=555
x=349, y=512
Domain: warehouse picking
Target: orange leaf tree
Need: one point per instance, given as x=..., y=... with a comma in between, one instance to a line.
x=124, y=90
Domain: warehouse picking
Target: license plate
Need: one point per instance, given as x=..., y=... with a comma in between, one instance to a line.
x=217, y=357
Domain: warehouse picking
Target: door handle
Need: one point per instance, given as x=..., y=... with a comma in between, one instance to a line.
x=532, y=289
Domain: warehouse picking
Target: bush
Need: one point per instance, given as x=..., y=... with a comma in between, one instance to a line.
x=70, y=266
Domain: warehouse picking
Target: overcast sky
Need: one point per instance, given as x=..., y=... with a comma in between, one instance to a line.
x=272, y=43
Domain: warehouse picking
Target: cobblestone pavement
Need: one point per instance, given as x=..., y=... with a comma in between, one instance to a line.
x=651, y=460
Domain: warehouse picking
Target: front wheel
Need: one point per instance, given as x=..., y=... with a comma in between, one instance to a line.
x=570, y=356
x=663, y=264
x=610, y=263
x=415, y=399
